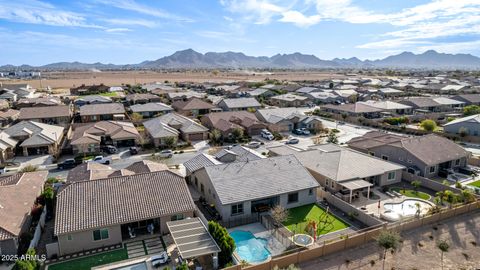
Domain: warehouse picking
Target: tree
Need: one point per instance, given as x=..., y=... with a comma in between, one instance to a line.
x=136, y=117
x=237, y=133
x=332, y=137
x=416, y=185
x=215, y=136
x=170, y=142
x=467, y=196
x=443, y=246
x=279, y=214
x=471, y=110
x=29, y=264
x=428, y=125
x=224, y=241
x=388, y=240
x=463, y=131
x=29, y=168
x=449, y=197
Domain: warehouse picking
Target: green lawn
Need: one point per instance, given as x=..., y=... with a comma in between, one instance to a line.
x=300, y=216
x=86, y=263
x=475, y=184
x=412, y=194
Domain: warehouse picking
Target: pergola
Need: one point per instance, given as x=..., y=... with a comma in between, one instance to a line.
x=193, y=239
x=356, y=184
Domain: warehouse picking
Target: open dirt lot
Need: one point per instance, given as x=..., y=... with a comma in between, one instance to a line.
x=418, y=250
x=70, y=79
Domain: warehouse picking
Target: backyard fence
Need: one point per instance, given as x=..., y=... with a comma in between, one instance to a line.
x=38, y=229
x=428, y=183
x=357, y=239
x=234, y=222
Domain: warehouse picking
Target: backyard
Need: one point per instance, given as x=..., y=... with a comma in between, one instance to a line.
x=475, y=184
x=412, y=193
x=299, y=218
x=86, y=263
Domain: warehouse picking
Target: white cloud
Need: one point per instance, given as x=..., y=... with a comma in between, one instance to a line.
x=117, y=30
x=299, y=19
x=132, y=5
x=37, y=12
x=132, y=22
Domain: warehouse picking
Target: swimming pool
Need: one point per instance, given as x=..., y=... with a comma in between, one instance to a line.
x=136, y=266
x=406, y=208
x=249, y=247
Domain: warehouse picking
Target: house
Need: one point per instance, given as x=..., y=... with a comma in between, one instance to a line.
x=226, y=122
x=469, y=126
x=469, y=99
x=14, y=92
x=93, y=99
x=239, y=104
x=9, y=116
x=388, y=92
x=307, y=90
x=152, y=109
x=38, y=102
x=115, y=89
x=453, y=88
x=176, y=126
x=288, y=119
x=129, y=203
x=89, y=138
x=243, y=189
x=18, y=194
x=30, y=138
x=52, y=115
x=388, y=107
x=432, y=104
x=426, y=156
x=92, y=170
x=261, y=93
x=142, y=98
x=89, y=89
x=356, y=109
x=289, y=100
x=102, y=112
x=325, y=97
x=184, y=95
x=192, y=107
x=342, y=170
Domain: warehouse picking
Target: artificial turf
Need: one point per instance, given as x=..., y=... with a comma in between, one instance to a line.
x=300, y=216
x=413, y=194
x=86, y=263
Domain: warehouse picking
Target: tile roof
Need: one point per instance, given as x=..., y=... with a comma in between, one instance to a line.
x=92, y=132
x=99, y=109
x=122, y=199
x=144, y=96
x=192, y=104
x=168, y=124
x=227, y=120
x=289, y=97
x=200, y=161
x=44, y=112
x=233, y=103
x=38, y=133
x=151, y=107
x=145, y=166
x=276, y=115
x=242, y=153
x=17, y=196
x=9, y=114
x=262, y=178
x=45, y=101
x=88, y=171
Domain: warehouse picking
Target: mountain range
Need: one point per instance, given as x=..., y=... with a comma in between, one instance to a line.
x=190, y=59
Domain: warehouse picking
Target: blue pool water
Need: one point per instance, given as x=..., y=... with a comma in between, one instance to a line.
x=250, y=248
x=137, y=266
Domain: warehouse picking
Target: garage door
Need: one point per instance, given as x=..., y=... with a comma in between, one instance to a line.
x=195, y=136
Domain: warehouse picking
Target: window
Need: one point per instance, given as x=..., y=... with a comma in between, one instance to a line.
x=457, y=162
x=293, y=197
x=391, y=176
x=202, y=188
x=432, y=169
x=237, y=209
x=333, y=184
x=101, y=234
x=327, y=183
x=371, y=153
x=310, y=191
x=177, y=217
x=69, y=237
x=384, y=157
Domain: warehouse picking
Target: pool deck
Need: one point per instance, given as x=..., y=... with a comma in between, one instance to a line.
x=257, y=229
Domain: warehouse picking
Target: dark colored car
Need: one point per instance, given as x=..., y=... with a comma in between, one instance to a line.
x=67, y=164
x=133, y=150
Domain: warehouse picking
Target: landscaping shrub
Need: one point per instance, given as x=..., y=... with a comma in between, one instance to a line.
x=397, y=120
x=224, y=241
x=29, y=168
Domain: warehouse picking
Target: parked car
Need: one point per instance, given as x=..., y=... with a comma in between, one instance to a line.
x=133, y=150
x=166, y=154
x=253, y=144
x=305, y=131
x=267, y=134
x=67, y=164
x=110, y=149
x=292, y=140
x=101, y=160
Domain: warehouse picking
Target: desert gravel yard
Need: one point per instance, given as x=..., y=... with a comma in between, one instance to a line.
x=418, y=250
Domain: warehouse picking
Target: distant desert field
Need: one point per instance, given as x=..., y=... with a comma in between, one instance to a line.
x=113, y=78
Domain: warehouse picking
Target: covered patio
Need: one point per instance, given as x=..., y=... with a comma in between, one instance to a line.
x=354, y=185
x=193, y=241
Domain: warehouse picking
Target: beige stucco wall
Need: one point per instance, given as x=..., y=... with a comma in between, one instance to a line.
x=84, y=240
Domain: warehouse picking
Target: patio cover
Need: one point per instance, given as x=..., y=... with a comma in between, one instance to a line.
x=356, y=184
x=192, y=238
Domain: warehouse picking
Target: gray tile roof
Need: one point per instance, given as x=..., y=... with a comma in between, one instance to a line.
x=243, y=153
x=274, y=116
x=151, y=107
x=200, y=161
x=122, y=200
x=233, y=103
x=145, y=166
x=39, y=133
x=44, y=112
x=163, y=125
x=99, y=109
x=262, y=178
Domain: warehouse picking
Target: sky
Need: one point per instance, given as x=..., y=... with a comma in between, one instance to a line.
x=38, y=32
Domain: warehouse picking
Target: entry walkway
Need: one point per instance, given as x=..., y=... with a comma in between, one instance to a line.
x=142, y=247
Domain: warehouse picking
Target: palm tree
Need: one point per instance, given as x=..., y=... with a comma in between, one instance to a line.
x=388, y=240
x=416, y=185
x=450, y=197
x=443, y=246
x=467, y=196
x=215, y=136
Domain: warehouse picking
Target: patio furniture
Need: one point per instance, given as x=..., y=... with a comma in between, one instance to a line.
x=390, y=194
x=397, y=193
x=160, y=259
